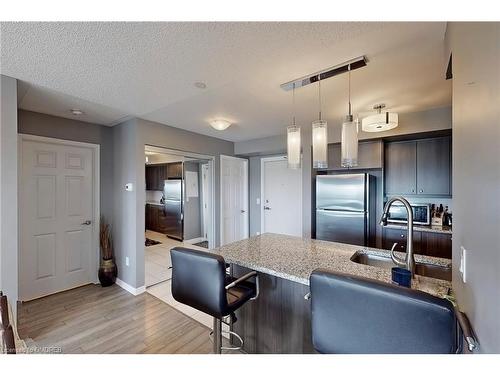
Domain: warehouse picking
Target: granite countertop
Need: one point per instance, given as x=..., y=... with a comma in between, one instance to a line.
x=422, y=228
x=294, y=258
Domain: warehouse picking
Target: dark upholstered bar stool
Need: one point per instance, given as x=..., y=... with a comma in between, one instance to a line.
x=357, y=315
x=199, y=280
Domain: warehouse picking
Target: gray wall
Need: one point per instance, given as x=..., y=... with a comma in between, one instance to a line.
x=192, y=207
x=409, y=123
x=127, y=154
x=129, y=141
x=476, y=174
x=8, y=190
x=57, y=127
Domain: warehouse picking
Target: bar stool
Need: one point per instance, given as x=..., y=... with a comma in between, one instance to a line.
x=199, y=280
x=358, y=315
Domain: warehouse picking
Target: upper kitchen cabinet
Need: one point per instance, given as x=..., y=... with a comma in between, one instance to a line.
x=174, y=170
x=434, y=166
x=400, y=168
x=421, y=167
x=155, y=175
x=369, y=155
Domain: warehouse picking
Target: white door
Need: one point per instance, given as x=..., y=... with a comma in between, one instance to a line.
x=56, y=197
x=234, y=199
x=281, y=197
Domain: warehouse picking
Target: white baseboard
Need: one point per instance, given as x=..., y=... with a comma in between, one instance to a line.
x=129, y=288
x=195, y=240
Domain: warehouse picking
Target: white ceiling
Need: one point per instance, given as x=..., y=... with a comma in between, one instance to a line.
x=113, y=71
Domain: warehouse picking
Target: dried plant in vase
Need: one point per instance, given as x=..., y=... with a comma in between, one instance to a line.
x=107, y=269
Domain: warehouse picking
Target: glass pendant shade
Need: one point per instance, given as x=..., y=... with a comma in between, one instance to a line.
x=293, y=146
x=320, y=144
x=349, y=143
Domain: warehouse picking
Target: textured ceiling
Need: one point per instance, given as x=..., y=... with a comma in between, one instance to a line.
x=117, y=70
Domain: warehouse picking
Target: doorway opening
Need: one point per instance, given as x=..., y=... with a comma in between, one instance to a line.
x=179, y=207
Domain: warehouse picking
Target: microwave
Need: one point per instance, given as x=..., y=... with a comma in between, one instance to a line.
x=421, y=213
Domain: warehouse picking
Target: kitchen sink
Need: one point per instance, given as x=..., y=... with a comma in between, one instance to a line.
x=422, y=269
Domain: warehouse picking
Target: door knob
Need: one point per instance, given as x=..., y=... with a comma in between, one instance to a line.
x=87, y=222
x=267, y=208
x=243, y=211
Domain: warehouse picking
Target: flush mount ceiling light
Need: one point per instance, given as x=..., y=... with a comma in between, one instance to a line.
x=220, y=124
x=381, y=121
x=200, y=85
x=76, y=112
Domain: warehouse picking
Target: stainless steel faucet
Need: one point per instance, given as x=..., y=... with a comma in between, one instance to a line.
x=409, y=261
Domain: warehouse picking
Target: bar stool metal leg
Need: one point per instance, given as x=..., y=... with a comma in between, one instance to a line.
x=217, y=336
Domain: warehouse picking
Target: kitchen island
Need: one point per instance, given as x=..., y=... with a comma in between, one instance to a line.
x=279, y=321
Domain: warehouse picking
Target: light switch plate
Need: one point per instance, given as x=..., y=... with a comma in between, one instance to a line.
x=257, y=201
x=127, y=262
x=463, y=263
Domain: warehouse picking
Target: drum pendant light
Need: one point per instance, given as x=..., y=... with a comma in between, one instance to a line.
x=320, y=138
x=349, y=136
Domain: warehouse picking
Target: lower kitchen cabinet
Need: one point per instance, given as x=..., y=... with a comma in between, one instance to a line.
x=424, y=243
x=392, y=235
x=437, y=244
x=155, y=218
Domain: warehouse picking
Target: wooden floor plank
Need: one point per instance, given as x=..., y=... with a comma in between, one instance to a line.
x=92, y=319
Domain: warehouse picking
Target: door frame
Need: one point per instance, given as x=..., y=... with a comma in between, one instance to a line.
x=245, y=184
x=211, y=184
x=96, y=149
x=262, y=184
x=205, y=168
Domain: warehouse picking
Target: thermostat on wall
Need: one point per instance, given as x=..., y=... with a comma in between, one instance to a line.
x=129, y=187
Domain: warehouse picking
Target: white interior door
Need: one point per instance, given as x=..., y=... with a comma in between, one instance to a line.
x=234, y=199
x=281, y=197
x=57, y=218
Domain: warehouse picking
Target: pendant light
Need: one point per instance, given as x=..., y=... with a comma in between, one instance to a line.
x=349, y=136
x=320, y=138
x=293, y=139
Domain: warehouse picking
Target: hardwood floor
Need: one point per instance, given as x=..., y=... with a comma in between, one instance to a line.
x=92, y=319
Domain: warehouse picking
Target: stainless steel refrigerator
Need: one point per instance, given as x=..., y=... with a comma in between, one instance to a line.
x=172, y=192
x=345, y=208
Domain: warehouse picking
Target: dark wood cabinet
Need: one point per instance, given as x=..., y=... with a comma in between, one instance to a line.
x=174, y=170
x=369, y=155
x=401, y=168
x=156, y=174
x=421, y=167
x=437, y=244
x=434, y=166
x=155, y=218
x=424, y=243
x=392, y=235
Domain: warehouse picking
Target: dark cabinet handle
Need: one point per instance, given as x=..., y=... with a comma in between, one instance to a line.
x=421, y=191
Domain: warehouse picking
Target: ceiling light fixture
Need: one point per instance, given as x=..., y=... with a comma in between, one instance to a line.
x=76, y=112
x=320, y=138
x=293, y=139
x=349, y=144
x=220, y=124
x=381, y=121
x=200, y=85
